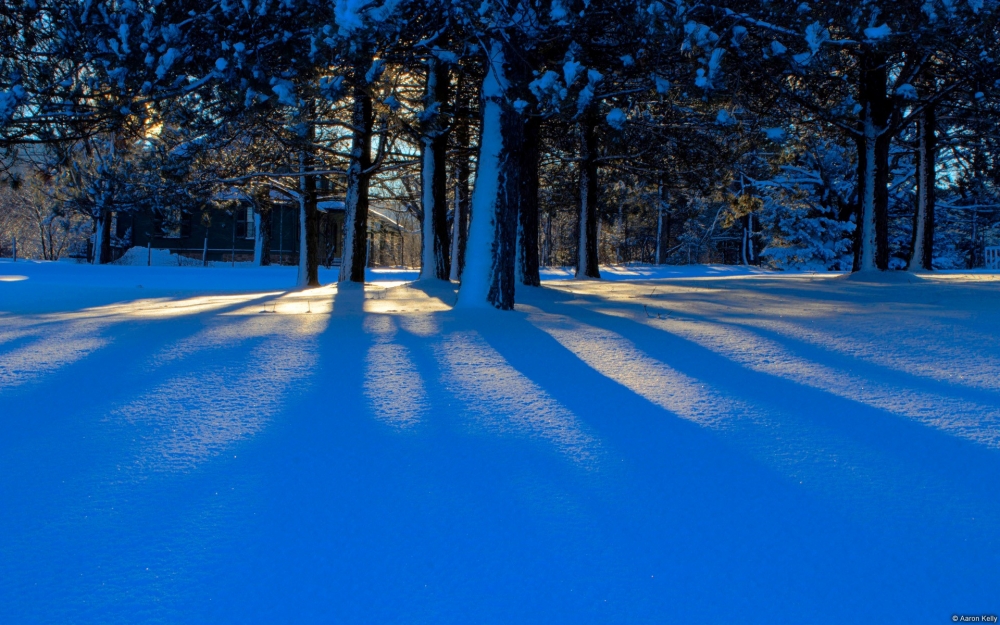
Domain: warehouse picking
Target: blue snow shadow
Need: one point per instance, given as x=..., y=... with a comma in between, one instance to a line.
x=320, y=462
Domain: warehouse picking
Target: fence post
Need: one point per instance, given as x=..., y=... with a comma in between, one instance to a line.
x=149, y=254
x=204, y=253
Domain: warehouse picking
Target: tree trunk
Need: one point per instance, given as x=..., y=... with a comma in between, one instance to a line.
x=527, y=226
x=352, y=268
x=434, y=175
x=882, y=144
x=460, y=222
x=871, y=235
x=747, y=255
x=262, y=223
x=923, y=220
x=312, y=229
x=586, y=265
x=308, y=222
x=102, y=238
x=489, y=274
x=660, y=205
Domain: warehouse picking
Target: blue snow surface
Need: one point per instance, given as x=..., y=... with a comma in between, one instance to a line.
x=707, y=444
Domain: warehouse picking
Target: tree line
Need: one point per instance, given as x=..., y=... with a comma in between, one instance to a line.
x=838, y=135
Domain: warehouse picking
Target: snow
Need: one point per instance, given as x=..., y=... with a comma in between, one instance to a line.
x=816, y=36
x=285, y=90
x=141, y=257
x=775, y=134
x=349, y=15
x=907, y=92
x=476, y=274
x=586, y=95
x=445, y=56
x=616, y=118
x=671, y=444
x=571, y=70
x=558, y=12
x=9, y=101
x=876, y=33
x=724, y=118
x=166, y=61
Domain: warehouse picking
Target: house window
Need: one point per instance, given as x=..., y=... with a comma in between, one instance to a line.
x=172, y=223
x=244, y=223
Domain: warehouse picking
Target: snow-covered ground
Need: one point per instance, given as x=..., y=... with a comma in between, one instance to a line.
x=714, y=444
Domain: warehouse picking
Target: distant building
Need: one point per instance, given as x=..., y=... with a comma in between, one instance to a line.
x=228, y=235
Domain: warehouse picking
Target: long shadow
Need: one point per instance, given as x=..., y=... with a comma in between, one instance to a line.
x=910, y=442
x=65, y=493
x=54, y=427
x=689, y=496
x=103, y=367
x=445, y=291
x=328, y=480
x=866, y=368
x=833, y=290
x=809, y=350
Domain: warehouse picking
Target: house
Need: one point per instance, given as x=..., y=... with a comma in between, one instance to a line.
x=228, y=234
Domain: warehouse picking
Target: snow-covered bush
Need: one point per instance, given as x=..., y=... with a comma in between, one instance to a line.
x=806, y=237
x=805, y=208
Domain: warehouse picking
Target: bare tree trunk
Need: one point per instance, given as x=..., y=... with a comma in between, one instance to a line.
x=547, y=245
x=620, y=226
x=587, y=262
x=308, y=222
x=460, y=225
x=434, y=175
x=40, y=222
x=747, y=255
x=312, y=230
x=262, y=223
x=659, y=224
x=871, y=240
x=882, y=144
x=527, y=227
x=490, y=263
x=352, y=269
x=921, y=257
x=102, y=238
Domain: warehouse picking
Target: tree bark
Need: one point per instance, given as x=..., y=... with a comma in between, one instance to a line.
x=660, y=205
x=355, y=258
x=309, y=254
x=308, y=222
x=747, y=253
x=462, y=172
x=490, y=260
x=312, y=224
x=871, y=235
x=102, y=243
x=527, y=230
x=434, y=175
x=262, y=215
x=921, y=257
x=587, y=262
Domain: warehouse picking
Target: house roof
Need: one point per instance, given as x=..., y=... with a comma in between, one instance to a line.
x=330, y=205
